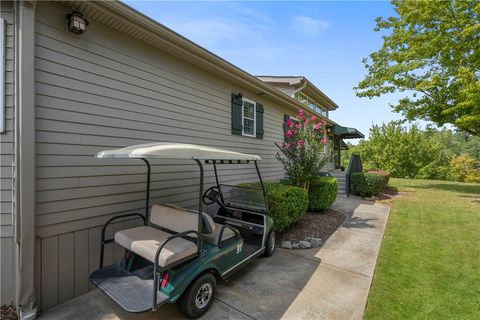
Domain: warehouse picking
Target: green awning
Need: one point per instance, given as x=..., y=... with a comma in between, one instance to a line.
x=346, y=132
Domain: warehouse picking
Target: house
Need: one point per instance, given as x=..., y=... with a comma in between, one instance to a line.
x=305, y=92
x=80, y=77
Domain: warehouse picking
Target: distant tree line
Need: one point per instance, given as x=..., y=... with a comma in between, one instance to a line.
x=410, y=152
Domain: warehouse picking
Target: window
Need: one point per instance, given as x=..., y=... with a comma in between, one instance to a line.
x=248, y=118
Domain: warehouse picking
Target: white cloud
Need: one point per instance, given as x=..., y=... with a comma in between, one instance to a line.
x=309, y=25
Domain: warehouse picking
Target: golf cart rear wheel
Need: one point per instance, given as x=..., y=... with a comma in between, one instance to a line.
x=270, y=244
x=198, y=297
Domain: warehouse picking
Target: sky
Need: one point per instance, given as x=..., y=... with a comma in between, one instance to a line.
x=325, y=41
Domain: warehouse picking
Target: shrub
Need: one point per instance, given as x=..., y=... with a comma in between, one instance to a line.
x=287, y=204
x=367, y=184
x=463, y=168
x=384, y=174
x=322, y=193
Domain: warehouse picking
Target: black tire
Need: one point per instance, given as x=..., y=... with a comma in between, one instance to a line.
x=270, y=244
x=188, y=303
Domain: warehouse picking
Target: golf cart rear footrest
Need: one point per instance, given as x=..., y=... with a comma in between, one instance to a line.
x=126, y=289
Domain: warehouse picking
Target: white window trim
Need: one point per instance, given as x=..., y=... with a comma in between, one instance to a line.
x=254, y=118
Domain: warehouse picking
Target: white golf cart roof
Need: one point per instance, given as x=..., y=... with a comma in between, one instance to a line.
x=167, y=150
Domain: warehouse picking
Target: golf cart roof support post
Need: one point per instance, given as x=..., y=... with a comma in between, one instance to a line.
x=147, y=198
x=200, y=194
x=216, y=179
x=263, y=186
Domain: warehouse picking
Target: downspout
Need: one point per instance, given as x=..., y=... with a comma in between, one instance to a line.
x=304, y=84
x=25, y=159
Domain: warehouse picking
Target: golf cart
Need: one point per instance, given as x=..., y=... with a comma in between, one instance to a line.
x=176, y=255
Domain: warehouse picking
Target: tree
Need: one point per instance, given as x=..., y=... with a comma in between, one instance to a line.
x=432, y=54
x=402, y=151
x=301, y=154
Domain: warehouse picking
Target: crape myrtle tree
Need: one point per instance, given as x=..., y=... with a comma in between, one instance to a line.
x=302, y=153
x=432, y=54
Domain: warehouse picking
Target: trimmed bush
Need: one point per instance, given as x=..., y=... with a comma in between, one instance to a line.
x=384, y=174
x=322, y=193
x=287, y=203
x=367, y=184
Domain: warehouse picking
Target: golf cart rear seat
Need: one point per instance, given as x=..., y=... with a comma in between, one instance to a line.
x=145, y=240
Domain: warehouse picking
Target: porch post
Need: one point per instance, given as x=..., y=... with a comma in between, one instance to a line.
x=25, y=158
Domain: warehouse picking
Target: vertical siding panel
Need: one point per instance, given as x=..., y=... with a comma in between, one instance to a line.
x=81, y=262
x=108, y=255
x=66, y=267
x=94, y=238
x=118, y=251
x=7, y=283
x=49, y=272
x=38, y=272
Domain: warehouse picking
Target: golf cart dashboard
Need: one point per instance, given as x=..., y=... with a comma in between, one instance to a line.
x=241, y=219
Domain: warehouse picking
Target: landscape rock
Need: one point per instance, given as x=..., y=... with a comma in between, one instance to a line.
x=295, y=245
x=286, y=244
x=304, y=244
x=316, y=242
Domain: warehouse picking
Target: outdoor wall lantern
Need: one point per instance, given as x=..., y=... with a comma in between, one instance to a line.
x=329, y=130
x=77, y=22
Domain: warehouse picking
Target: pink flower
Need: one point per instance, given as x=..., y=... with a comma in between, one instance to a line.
x=318, y=126
x=289, y=133
x=314, y=118
x=300, y=143
x=306, y=121
x=290, y=123
x=283, y=145
x=324, y=140
x=298, y=126
x=301, y=113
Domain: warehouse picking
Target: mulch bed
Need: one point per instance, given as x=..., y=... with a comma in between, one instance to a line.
x=318, y=225
x=8, y=313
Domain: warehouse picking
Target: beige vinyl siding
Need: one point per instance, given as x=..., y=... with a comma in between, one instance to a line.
x=7, y=146
x=105, y=90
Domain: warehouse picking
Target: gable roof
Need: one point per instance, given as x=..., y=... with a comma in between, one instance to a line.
x=305, y=86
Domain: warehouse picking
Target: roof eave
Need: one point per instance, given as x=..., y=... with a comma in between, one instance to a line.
x=197, y=53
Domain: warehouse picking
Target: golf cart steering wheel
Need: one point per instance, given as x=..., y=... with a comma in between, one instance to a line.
x=211, y=195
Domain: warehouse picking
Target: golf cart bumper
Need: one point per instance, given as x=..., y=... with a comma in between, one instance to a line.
x=129, y=291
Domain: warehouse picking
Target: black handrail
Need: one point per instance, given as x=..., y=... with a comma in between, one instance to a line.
x=354, y=165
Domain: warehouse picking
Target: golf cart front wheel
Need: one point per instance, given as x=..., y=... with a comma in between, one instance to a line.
x=270, y=244
x=198, y=297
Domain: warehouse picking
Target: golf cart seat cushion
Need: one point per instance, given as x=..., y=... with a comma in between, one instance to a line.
x=179, y=220
x=214, y=237
x=145, y=241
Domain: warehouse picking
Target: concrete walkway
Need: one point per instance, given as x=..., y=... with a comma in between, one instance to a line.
x=327, y=283
x=339, y=287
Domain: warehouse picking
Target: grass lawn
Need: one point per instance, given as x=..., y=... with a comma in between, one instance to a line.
x=429, y=263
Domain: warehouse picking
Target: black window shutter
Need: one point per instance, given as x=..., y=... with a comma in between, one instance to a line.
x=286, y=117
x=237, y=105
x=259, y=120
